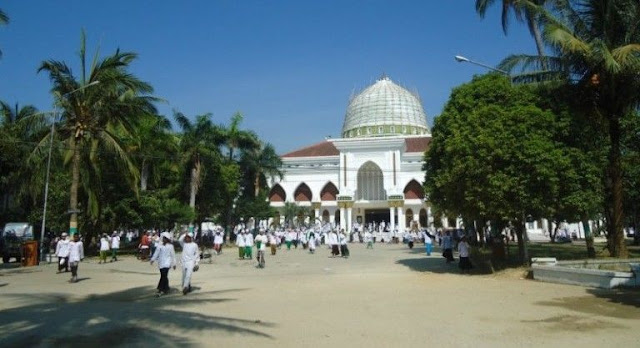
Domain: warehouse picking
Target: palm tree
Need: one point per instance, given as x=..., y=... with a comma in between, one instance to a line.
x=154, y=144
x=16, y=131
x=597, y=52
x=261, y=162
x=4, y=20
x=521, y=13
x=98, y=118
x=235, y=138
x=198, y=141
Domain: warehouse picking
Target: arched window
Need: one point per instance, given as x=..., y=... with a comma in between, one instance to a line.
x=329, y=192
x=302, y=193
x=413, y=190
x=277, y=194
x=424, y=221
x=325, y=216
x=370, y=183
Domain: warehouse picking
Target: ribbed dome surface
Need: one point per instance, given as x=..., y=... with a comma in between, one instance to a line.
x=384, y=109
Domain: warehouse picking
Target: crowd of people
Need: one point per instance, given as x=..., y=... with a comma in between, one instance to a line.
x=158, y=247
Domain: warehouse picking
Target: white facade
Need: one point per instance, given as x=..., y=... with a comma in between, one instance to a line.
x=376, y=167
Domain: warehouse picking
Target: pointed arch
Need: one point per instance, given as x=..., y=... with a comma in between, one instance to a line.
x=277, y=194
x=413, y=190
x=329, y=192
x=370, y=183
x=302, y=193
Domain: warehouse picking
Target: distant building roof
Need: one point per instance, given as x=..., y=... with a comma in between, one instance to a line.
x=324, y=148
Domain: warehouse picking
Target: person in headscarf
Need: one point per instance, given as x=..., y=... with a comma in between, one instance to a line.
x=165, y=254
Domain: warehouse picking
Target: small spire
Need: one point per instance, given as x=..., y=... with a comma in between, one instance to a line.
x=384, y=77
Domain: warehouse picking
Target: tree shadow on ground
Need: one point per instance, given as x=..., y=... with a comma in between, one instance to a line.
x=8, y=271
x=433, y=264
x=131, y=317
x=614, y=303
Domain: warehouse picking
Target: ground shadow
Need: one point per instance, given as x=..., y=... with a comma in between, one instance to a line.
x=614, y=303
x=131, y=317
x=432, y=264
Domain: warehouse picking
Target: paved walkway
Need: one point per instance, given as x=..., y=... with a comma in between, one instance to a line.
x=387, y=297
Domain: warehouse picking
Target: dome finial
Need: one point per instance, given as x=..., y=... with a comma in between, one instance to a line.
x=384, y=76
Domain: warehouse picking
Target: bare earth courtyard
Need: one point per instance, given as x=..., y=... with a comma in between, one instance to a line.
x=387, y=297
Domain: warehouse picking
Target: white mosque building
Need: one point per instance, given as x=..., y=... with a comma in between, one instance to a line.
x=373, y=173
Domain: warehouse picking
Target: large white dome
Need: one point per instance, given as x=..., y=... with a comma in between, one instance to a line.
x=384, y=109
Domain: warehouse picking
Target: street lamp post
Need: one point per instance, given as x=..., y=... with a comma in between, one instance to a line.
x=461, y=59
x=46, y=184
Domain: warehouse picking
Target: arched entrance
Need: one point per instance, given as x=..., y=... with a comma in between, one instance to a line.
x=277, y=194
x=413, y=190
x=329, y=192
x=325, y=216
x=408, y=218
x=302, y=193
x=424, y=221
x=370, y=183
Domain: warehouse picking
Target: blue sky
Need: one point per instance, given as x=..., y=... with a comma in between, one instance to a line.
x=288, y=66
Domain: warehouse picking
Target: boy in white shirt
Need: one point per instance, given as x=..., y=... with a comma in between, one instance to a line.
x=76, y=254
x=261, y=244
x=104, y=248
x=240, y=244
x=62, y=252
x=248, y=245
x=190, y=259
x=165, y=254
x=115, y=245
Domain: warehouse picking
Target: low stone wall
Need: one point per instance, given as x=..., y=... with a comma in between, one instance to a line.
x=569, y=272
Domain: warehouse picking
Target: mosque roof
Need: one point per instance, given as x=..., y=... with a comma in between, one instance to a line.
x=384, y=109
x=324, y=148
x=327, y=148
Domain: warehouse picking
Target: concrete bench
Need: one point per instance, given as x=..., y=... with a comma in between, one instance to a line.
x=548, y=261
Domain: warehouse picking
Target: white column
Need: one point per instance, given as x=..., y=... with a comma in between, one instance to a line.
x=445, y=221
x=349, y=220
x=392, y=219
x=332, y=217
x=429, y=217
x=343, y=218
x=317, y=214
x=401, y=222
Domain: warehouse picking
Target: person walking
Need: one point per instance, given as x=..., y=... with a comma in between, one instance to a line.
x=312, y=242
x=217, y=242
x=104, y=248
x=240, y=244
x=248, y=245
x=368, y=238
x=115, y=246
x=62, y=252
x=165, y=254
x=344, y=249
x=463, y=249
x=261, y=245
x=447, y=247
x=273, y=243
x=189, y=259
x=288, y=238
x=76, y=254
x=428, y=243
x=333, y=243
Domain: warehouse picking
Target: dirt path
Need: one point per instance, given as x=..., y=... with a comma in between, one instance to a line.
x=386, y=297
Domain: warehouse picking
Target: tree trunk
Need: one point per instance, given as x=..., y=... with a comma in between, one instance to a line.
x=194, y=188
x=588, y=237
x=521, y=233
x=144, y=175
x=617, y=244
x=537, y=36
x=256, y=184
x=554, y=234
x=75, y=182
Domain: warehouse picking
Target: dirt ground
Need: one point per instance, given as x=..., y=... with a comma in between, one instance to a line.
x=386, y=297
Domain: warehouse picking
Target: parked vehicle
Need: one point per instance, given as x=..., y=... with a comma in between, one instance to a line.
x=12, y=237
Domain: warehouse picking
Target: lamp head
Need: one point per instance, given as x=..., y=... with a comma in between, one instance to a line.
x=460, y=59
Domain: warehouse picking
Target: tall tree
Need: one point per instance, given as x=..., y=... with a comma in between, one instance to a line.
x=596, y=46
x=258, y=164
x=522, y=14
x=197, y=142
x=96, y=118
x=4, y=20
x=236, y=138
